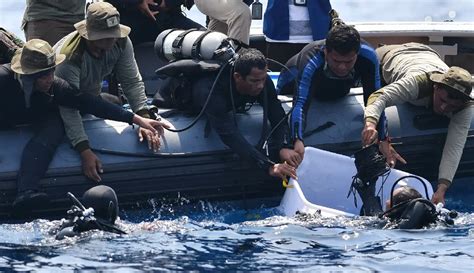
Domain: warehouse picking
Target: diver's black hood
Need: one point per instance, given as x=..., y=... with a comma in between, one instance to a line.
x=104, y=202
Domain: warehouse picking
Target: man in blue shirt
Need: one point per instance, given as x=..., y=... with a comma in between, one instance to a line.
x=328, y=69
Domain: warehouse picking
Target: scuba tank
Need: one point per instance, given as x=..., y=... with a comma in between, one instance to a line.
x=190, y=54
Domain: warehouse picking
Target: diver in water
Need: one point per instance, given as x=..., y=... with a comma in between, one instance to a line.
x=98, y=210
x=407, y=209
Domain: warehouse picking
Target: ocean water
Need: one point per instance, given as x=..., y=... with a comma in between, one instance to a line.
x=225, y=237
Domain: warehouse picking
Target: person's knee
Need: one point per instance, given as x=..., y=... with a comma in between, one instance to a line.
x=243, y=15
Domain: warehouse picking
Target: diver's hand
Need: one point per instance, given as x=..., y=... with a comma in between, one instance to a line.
x=369, y=133
x=438, y=196
x=391, y=155
x=144, y=7
x=291, y=157
x=152, y=137
x=91, y=165
x=282, y=170
x=299, y=148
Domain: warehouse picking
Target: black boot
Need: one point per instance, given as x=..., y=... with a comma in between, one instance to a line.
x=28, y=200
x=371, y=204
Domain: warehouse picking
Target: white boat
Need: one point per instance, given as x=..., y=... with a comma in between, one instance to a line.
x=324, y=180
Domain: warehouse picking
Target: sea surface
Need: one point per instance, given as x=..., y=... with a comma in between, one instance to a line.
x=204, y=236
x=254, y=235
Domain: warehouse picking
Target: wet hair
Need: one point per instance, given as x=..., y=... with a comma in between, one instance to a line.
x=248, y=59
x=343, y=38
x=405, y=194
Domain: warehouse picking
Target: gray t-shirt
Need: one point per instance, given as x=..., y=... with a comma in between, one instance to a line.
x=71, y=11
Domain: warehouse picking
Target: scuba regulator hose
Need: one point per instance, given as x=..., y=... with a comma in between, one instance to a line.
x=219, y=74
x=196, y=119
x=191, y=124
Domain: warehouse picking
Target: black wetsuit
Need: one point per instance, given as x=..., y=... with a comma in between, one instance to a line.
x=309, y=68
x=43, y=114
x=220, y=115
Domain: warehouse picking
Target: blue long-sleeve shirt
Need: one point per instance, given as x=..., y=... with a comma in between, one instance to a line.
x=307, y=68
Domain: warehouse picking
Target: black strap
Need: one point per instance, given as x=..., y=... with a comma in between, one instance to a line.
x=318, y=129
x=178, y=43
x=196, y=49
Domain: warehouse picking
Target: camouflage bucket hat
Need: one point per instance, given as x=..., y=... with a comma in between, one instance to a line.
x=102, y=22
x=36, y=56
x=458, y=81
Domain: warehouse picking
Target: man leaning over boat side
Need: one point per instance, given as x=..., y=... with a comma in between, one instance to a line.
x=327, y=70
x=416, y=74
x=248, y=83
x=99, y=46
x=31, y=94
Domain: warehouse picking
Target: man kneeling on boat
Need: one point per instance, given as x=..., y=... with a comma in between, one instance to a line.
x=31, y=94
x=416, y=74
x=328, y=69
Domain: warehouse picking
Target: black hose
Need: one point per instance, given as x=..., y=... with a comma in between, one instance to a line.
x=408, y=176
x=265, y=142
x=205, y=104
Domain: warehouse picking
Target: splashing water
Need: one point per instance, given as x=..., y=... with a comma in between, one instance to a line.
x=206, y=236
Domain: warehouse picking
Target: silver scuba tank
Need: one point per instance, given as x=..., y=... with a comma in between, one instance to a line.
x=175, y=44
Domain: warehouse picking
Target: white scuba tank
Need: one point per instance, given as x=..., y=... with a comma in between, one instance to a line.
x=174, y=44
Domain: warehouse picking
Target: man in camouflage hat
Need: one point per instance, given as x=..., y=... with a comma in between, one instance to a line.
x=416, y=74
x=31, y=94
x=100, y=46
